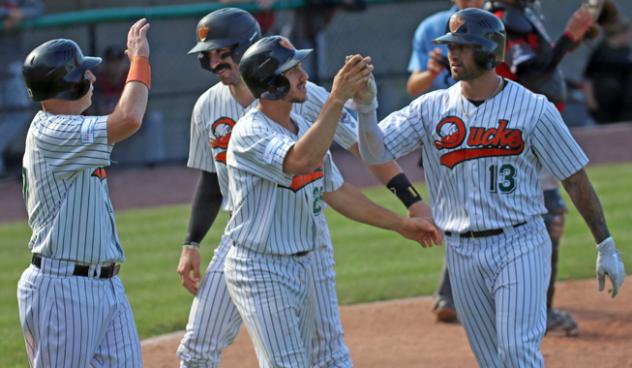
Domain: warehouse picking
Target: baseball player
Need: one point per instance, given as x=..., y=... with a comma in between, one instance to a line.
x=484, y=141
x=281, y=176
x=214, y=321
x=533, y=61
x=73, y=308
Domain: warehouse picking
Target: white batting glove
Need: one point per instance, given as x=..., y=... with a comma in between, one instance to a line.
x=365, y=101
x=609, y=263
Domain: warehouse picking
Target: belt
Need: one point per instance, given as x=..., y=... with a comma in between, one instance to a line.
x=301, y=254
x=482, y=233
x=107, y=272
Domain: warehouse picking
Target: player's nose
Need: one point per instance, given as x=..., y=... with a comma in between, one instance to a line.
x=303, y=74
x=214, y=60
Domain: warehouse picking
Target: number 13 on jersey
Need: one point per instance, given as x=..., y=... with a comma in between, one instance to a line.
x=502, y=178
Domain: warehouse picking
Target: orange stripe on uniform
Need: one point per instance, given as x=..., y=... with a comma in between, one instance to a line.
x=300, y=181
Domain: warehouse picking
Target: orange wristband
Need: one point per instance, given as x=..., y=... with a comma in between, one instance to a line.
x=140, y=71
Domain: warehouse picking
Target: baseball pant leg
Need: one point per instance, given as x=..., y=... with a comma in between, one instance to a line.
x=121, y=346
x=214, y=321
x=520, y=294
x=554, y=220
x=64, y=318
x=445, y=288
x=274, y=295
x=473, y=299
x=328, y=347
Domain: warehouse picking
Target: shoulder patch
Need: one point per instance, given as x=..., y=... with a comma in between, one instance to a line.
x=87, y=130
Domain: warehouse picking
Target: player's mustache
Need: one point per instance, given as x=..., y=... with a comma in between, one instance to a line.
x=220, y=67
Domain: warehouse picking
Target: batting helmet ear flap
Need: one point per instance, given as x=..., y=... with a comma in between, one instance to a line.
x=484, y=59
x=205, y=60
x=278, y=87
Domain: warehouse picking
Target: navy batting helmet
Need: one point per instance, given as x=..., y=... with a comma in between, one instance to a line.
x=263, y=64
x=227, y=27
x=481, y=28
x=57, y=69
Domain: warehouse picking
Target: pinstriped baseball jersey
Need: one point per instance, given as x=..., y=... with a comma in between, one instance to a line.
x=70, y=320
x=216, y=113
x=289, y=209
x=214, y=320
x=65, y=189
x=482, y=163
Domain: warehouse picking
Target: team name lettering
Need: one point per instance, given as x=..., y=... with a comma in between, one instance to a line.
x=481, y=142
x=222, y=129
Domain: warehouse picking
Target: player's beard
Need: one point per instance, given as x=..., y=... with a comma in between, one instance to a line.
x=468, y=73
x=298, y=95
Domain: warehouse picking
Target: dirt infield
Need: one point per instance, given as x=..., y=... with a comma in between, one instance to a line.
x=403, y=334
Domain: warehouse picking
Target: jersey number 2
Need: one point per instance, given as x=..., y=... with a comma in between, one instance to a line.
x=318, y=200
x=502, y=178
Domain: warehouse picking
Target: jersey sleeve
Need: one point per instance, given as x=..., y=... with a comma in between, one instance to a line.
x=333, y=177
x=345, y=135
x=554, y=145
x=419, y=55
x=259, y=151
x=403, y=129
x=200, y=154
x=78, y=144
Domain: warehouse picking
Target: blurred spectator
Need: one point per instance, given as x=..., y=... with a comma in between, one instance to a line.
x=609, y=75
x=306, y=30
x=428, y=62
x=110, y=82
x=576, y=112
x=14, y=102
x=265, y=17
x=148, y=146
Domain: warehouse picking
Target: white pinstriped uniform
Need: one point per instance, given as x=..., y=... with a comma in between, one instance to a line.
x=481, y=166
x=277, y=221
x=214, y=321
x=72, y=321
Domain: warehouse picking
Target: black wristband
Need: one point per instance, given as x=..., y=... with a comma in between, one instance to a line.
x=403, y=189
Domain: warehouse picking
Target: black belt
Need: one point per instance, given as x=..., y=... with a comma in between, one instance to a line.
x=107, y=272
x=481, y=233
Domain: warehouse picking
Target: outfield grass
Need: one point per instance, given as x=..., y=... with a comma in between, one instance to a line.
x=371, y=264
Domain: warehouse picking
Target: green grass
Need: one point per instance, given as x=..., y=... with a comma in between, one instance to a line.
x=372, y=264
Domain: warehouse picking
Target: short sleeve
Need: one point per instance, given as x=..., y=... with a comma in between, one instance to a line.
x=259, y=151
x=74, y=143
x=554, y=145
x=403, y=130
x=200, y=153
x=333, y=177
x=419, y=55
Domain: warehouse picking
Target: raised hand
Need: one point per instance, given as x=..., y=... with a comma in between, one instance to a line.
x=354, y=75
x=137, y=43
x=579, y=23
x=435, y=61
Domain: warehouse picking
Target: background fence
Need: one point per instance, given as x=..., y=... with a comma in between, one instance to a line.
x=384, y=31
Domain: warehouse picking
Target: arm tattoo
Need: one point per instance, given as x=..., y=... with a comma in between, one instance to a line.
x=587, y=203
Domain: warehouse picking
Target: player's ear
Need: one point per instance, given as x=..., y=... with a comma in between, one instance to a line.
x=278, y=87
